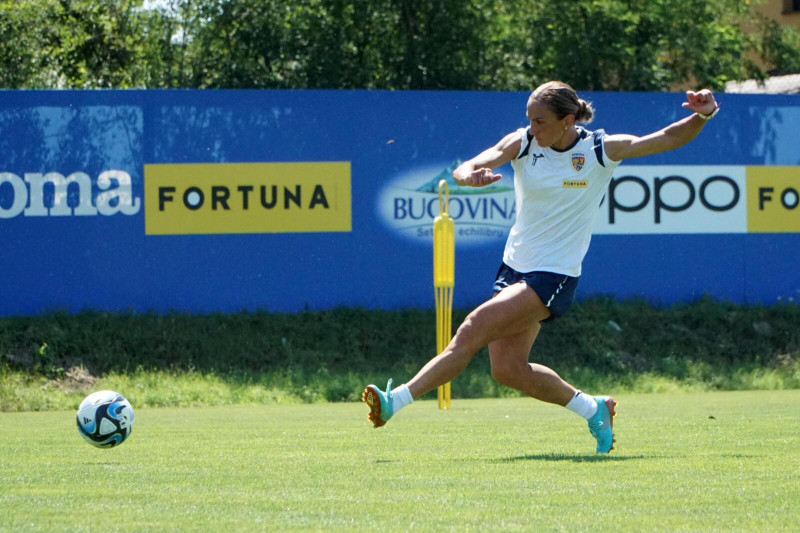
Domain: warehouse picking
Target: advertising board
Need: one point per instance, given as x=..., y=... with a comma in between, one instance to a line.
x=217, y=201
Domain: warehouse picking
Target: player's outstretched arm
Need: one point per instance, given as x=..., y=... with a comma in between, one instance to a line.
x=677, y=134
x=477, y=172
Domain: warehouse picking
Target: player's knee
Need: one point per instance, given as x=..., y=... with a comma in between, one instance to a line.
x=476, y=328
x=469, y=333
x=506, y=374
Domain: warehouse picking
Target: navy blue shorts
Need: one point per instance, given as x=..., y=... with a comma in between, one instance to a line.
x=557, y=291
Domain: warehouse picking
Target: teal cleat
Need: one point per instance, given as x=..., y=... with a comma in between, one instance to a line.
x=602, y=423
x=380, y=404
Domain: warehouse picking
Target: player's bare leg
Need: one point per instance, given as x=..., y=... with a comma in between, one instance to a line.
x=508, y=313
x=510, y=367
x=509, y=358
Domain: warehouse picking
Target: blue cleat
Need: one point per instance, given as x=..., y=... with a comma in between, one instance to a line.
x=601, y=424
x=380, y=404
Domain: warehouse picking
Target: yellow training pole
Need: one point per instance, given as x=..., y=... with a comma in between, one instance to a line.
x=444, y=253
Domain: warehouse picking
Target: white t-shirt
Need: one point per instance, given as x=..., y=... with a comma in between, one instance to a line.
x=558, y=195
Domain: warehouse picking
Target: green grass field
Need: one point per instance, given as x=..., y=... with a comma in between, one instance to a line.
x=723, y=461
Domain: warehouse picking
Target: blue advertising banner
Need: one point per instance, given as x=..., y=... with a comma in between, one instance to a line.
x=207, y=201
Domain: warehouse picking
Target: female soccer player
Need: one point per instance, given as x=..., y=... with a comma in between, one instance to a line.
x=561, y=173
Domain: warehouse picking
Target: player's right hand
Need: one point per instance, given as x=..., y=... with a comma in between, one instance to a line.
x=481, y=177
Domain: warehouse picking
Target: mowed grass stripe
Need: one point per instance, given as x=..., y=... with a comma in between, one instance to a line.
x=684, y=462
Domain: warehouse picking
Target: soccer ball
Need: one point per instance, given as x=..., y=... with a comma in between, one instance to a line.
x=105, y=419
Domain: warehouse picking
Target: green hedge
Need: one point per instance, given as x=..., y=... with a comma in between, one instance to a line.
x=599, y=334
x=600, y=342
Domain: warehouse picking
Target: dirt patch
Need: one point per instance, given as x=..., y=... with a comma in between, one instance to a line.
x=76, y=379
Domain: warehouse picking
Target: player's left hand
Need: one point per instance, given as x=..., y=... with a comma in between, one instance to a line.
x=700, y=102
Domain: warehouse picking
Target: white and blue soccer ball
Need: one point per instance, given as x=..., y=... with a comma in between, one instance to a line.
x=105, y=419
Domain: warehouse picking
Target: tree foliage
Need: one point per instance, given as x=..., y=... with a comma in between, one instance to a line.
x=24, y=52
x=431, y=44
x=779, y=47
x=387, y=44
x=639, y=44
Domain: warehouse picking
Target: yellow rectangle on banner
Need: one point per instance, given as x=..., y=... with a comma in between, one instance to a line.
x=773, y=198
x=210, y=198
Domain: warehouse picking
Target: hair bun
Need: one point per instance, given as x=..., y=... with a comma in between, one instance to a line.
x=585, y=111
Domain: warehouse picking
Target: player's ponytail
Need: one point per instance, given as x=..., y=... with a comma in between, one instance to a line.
x=585, y=112
x=563, y=100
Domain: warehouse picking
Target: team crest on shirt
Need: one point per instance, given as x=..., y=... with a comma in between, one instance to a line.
x=578, y=160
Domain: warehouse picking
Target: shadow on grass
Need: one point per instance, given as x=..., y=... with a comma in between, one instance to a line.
x=573, y=458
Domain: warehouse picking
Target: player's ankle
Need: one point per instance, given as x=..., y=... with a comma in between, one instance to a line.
x=582, y=404
x=401, y=397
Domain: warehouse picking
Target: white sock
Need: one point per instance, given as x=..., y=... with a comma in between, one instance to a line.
x=402, y=397
x=582, y=404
